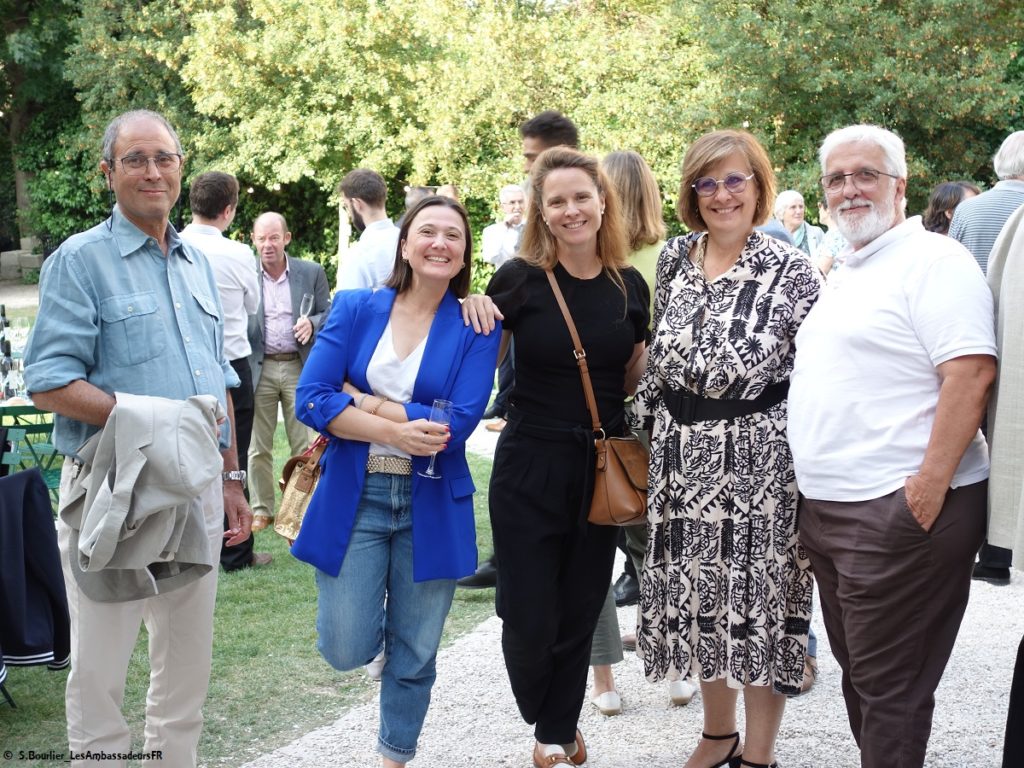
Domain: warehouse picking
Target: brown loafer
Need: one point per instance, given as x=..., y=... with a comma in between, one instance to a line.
x=581, y=750
x=546, y=761
x=259, y=522
x=810, y=674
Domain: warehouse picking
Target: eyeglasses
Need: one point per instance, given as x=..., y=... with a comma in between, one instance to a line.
x=865, y=180
x=734, y=182
x=136, y=165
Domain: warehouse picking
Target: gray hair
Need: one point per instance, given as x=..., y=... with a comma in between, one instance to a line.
x=114, y=129
x=784, y=200
x=507, y=190
x=890, y=144
x=1009, y=160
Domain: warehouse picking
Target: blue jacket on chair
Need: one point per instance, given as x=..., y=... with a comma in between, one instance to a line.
x=458, y=365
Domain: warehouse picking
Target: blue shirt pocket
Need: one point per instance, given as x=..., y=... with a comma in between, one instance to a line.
x=132, y=330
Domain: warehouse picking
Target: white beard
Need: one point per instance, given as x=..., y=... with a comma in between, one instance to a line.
x=867, y=227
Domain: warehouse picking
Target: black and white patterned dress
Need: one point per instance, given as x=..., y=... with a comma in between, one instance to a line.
x=726, y=590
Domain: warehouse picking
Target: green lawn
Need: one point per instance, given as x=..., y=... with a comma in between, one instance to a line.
x=269, y=684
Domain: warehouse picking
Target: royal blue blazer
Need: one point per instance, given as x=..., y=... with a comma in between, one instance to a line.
x=458, y=365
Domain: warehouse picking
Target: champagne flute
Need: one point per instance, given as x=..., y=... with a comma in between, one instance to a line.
x=306, y=306
x=440, y=413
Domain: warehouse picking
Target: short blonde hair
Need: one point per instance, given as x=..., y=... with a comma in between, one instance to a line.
x=539, y=246
x=708, y=150
x=639, y=196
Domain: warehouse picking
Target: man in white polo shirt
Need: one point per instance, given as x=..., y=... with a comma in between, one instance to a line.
x=892, y=375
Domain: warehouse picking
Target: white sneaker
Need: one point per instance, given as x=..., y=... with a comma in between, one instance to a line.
x=681, y=692
x=375, y=667
x=608, y=702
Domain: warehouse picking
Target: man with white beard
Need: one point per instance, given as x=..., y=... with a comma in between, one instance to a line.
x=892, y=375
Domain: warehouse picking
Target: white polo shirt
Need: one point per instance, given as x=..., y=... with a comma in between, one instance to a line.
x=864, y=386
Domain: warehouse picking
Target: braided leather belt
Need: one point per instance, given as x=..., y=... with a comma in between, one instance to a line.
x=389, y=465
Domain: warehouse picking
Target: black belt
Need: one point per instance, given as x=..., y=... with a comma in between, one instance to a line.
x=688, y=408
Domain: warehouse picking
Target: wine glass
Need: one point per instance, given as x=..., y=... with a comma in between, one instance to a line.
x=440, y=413
x=306, y=306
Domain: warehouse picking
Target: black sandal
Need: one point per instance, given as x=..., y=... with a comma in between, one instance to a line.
x=742, y=762
x=732, y=752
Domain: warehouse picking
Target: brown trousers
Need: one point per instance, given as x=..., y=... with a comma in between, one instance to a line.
x=892, y=598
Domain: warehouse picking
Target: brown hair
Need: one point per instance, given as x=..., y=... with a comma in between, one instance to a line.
x=639, y=196
x=539, y=246
x=710, y=149
x=211, y=193
x=401, y=275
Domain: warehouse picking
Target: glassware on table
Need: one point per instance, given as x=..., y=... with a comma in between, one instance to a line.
x=440, y=413
x=17, y=334
x=306, y=306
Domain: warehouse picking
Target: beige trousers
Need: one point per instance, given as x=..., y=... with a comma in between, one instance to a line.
x=103, y=636
x=277, y=384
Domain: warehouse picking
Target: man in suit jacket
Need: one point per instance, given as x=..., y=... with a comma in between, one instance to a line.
x=281, y=339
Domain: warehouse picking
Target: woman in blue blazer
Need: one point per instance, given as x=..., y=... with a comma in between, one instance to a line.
x=388, y=544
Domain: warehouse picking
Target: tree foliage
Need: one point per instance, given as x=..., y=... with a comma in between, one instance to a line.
x=935, y=71
x=289, y=95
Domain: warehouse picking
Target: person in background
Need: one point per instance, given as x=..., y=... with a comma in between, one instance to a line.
x=450, y=191
x=833, y=244
x=368, y=264
x=789, y=209
x=281, y=337
x=213, y=198
x=726, y=589
x=641, y=202
x=977, y=223
x=500, y=242
x=1006, y=434
x=944, y=199
x=388, y=542
x=413, y=194
x=554, y=567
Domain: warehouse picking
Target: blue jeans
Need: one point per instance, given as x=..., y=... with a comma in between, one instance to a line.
x=374, y=604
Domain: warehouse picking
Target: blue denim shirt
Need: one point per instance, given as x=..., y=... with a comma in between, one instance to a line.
x=117, y=313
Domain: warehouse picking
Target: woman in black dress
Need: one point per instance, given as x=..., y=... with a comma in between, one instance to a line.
x=553, y=566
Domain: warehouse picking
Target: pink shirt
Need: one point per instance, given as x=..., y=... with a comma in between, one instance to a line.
x=278, y=336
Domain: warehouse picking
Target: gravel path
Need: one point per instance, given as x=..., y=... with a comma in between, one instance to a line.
x=473, y=720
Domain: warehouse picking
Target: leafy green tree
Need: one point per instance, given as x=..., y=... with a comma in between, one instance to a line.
x=934, y=71
x=36, y=34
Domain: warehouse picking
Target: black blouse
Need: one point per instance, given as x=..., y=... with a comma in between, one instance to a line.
x=547, y=382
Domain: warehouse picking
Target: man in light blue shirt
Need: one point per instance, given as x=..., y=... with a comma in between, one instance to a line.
x=127, y=306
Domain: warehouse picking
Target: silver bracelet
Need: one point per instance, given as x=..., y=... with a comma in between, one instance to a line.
x=359, y=402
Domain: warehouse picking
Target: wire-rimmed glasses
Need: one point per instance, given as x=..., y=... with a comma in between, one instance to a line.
x=864, y=179
x=734, y=182
x=137, y=165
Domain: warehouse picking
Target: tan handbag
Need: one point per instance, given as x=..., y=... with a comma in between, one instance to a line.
x=298, y=481
x=620, y=471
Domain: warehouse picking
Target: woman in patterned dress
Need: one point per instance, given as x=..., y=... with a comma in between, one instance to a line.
x=726, y=590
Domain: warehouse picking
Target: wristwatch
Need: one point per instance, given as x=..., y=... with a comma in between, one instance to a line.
x=234, y=474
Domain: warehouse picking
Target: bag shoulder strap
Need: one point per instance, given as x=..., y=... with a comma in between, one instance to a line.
x=581, y=356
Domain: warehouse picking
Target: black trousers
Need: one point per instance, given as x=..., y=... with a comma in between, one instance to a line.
x=553, y=569
x=1013, y=746
x=240, y=555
